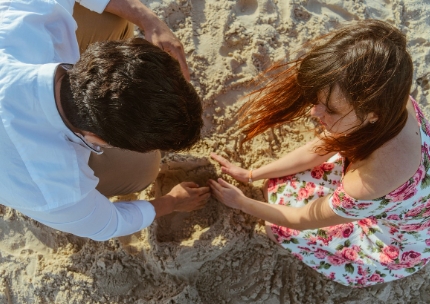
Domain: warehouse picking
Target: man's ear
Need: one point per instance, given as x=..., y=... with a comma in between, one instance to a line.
x=94, y=139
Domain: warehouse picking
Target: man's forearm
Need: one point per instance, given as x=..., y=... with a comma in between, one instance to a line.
x=132, y=10
x=163, y=205
x=155, y=30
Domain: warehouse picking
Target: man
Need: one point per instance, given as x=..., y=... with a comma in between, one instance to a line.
x=72, y=135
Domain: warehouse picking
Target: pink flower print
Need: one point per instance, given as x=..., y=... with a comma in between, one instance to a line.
x=272, y=184
x=284, y=233
x=320, y=193
x=426, y=214
x=385, y=259
x=362, y=281
x=362, y=271
x=310, y=185
x=312, y=240
x=331, y=276
x=299, y=256
x=363, y=205
x=395, y=266
x=336, y=260
x=317, y=172
x=427, y=128
x=419, y=175
x=356, y=248
x=274, y=189
x=335, y=200
x=310, y=188
x=347, y=229
x=426, y=225
x=325, y=241
x=388, y=254
x=428, y=242
x=293, y=184
x=366, y=223
x=389, y=209
x=281, y=201
x=320, y=254
x=393, y=217
x=376, y=278
x=411, y=258
x=415, y=211
x=288, y=178
x=302, y=194
x=411, y=227
x=304, y=248
x=347, y=202
x=426, y=148
x=371, y=220
x=391, y=251
x=349, y=254
x=334, y=231
x=327, y=166
x=404, y=192
x=393, y=230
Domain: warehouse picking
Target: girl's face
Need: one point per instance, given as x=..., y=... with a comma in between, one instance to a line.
x=338, y=117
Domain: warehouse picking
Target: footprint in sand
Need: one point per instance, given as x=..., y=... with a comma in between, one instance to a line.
x=246, y=7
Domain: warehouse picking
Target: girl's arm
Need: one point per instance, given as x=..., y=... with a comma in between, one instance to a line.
x=296, y=161
x=315, y=214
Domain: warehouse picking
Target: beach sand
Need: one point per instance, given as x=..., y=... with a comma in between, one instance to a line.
x=214, y=255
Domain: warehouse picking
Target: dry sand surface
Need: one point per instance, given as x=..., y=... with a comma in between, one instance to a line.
x=215, y=255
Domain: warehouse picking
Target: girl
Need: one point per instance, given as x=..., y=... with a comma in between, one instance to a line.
x=353, y=204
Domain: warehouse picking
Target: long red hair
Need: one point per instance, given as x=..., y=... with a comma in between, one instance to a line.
x=368, y=60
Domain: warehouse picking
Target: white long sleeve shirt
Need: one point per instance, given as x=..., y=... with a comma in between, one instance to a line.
x=44, y=170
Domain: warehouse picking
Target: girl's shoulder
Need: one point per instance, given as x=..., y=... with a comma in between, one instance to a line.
x=391, y=166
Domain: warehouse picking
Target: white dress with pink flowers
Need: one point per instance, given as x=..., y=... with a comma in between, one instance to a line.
x=389, y=240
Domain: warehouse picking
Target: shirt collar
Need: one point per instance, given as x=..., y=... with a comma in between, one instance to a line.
x=46, y=82
x=94, y=148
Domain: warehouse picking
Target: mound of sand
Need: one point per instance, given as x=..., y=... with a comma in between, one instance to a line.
x=214, y=255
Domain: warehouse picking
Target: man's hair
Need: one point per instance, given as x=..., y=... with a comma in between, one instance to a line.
x=132, y=95
x=370, y=63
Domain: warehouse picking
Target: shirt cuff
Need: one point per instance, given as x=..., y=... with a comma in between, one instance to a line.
x=97, y=6
x=148, y=213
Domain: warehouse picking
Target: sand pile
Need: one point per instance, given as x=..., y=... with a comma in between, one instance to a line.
x=214, y=255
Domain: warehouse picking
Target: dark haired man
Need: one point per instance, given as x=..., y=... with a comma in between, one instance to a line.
x=73, y=134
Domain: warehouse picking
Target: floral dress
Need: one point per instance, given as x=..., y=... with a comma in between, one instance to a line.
x=390, y=238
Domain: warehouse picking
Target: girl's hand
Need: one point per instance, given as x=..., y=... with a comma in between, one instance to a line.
x=228, y=168
x=226, y=193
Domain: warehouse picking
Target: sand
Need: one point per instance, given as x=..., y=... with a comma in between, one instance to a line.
x=214, y=255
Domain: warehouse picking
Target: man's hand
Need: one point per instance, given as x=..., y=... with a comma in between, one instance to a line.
x=189, y=196
x=158, y=33
x=184, y=197
x=155, y=30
